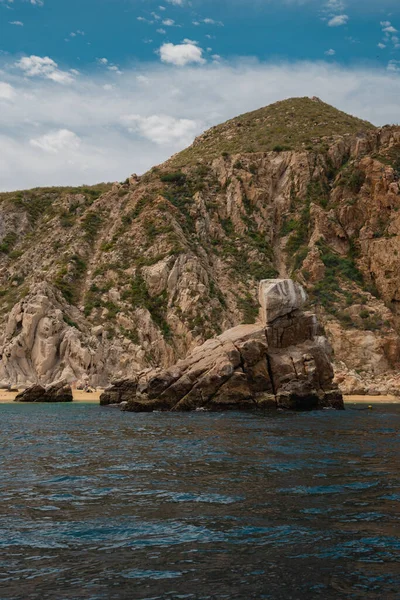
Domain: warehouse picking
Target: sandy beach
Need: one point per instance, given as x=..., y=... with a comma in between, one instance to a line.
x=79, y=396
x=372, y=399
x=84, y=397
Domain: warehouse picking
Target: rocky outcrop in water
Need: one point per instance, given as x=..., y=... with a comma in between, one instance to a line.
x=57, y=392
x=281, y=362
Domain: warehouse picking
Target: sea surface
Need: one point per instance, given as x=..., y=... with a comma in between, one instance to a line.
x=99, y=504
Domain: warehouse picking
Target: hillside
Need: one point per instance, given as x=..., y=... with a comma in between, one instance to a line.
x=296, y=124
x=98, y=283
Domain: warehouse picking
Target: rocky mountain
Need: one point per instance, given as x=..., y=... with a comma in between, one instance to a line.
x=100, y=282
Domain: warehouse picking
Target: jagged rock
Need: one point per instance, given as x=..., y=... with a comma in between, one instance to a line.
x=57, y=392
x=285, y=365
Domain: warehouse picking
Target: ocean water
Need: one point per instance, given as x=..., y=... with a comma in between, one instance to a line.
x=98, y=504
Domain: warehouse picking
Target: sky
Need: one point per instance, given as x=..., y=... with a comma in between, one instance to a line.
x=94, y=90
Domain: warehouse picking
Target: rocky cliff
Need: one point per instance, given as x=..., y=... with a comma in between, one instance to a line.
x=100, y=282
x=281, y=362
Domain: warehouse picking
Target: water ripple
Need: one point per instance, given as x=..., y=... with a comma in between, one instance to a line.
x=97, y=505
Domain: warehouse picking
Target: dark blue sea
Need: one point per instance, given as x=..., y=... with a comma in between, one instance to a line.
x=98, y=504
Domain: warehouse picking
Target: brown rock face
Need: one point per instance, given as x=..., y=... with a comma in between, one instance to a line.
x=280, y=365
x=120, y=392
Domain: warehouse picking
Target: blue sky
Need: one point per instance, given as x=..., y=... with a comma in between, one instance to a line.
x=93, y=90
x=127, y=31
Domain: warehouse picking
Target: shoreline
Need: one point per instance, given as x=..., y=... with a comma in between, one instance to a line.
x=388, y=399
x=81, y=397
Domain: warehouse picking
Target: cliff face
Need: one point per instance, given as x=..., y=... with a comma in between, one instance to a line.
x=99, y=283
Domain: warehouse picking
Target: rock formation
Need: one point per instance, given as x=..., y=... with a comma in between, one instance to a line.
x=57, y=392
x=279, y=363
x=103, y=282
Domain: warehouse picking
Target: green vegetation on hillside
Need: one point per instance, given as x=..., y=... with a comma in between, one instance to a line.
x=38, y=201
x=294, y=124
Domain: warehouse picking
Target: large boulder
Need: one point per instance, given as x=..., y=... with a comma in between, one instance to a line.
x=34, y=393
x=285, y=364
x=57, y=392
x=280, y=297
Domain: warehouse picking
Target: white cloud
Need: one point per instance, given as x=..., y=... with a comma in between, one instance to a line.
x=168, y=22
x=394, y=66
x=389, y=35
x=34, y=111
x=338, y=20
x=212, y=22
x=176, y=2
x=6, y=91
x=76, y=33
x=56, y=141
x=335, y=6
x=144, y=20
x=162, y=31
x=162, y=129
x=37, y=2
x=104, y=62
x=330, y=52
x=181, y=54
x=18, y=23
x=115, y=69
x=37, y=66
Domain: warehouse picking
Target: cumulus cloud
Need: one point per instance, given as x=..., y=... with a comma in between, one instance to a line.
x=37, y=66
x=102, y=127
x=330, y=52
x=162, y=129
x=338, y=20
x=181, y=54
x=18, y=23
x=394, y=66
x=389, y=29
x=56, y=141
x=6, y=91
x=389, y=35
